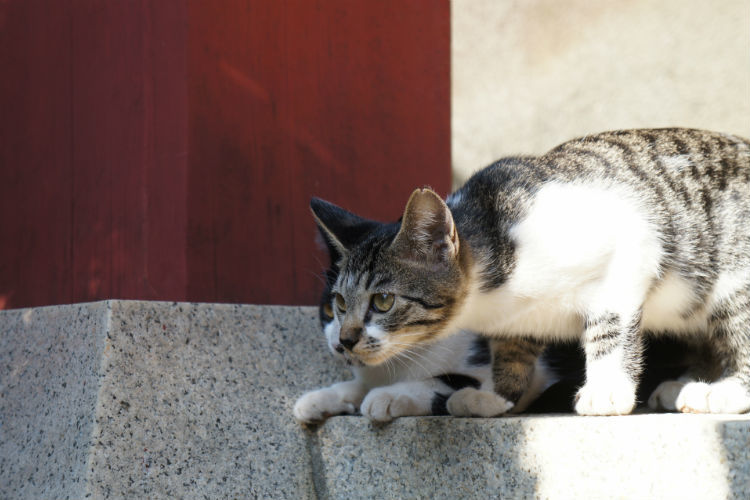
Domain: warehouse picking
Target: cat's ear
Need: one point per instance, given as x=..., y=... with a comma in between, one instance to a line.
x=341, y=229
x=427, y=232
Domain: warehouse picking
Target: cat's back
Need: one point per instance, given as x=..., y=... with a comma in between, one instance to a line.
x=673, y=160
x=678, y=199
x=671, y=170
x=692, y=186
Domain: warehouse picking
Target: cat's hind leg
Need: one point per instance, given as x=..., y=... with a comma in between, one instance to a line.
x=728, y=395
x=729, y=331
x=471, y=402
x=703, y=366
x=517, y=376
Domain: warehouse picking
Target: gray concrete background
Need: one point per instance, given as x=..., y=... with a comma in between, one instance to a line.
x=528, y=75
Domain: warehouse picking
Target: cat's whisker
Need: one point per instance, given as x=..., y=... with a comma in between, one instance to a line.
x=410, y=355
x=431, y=347
x=318, y=276
x=407, y=364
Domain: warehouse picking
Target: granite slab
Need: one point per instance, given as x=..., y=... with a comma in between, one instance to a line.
x=126, y=399
x=49, y=378
x=659, y=456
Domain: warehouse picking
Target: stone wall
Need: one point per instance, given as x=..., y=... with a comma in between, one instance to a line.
x=528, y=75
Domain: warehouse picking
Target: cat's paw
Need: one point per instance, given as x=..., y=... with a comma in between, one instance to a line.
x=383, y=405
x=470, y=402
x=725, y=396
x=606, y=398
x=316, y=406
x=665, y=395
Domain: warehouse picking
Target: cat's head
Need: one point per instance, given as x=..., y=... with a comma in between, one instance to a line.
x=396, y=285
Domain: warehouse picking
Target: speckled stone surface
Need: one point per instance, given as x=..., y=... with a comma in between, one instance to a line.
x=157, y=400
x=564, y=456
x=49, y=379
x=196, y=401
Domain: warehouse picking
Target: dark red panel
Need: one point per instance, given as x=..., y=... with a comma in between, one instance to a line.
x=345, y=100
x=93, y=151
x=35, y=153
x=168, y=149
x=129, y=150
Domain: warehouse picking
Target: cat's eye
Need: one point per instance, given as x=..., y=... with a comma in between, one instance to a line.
x=382, y=302
x=328, y=310
x=340, y=303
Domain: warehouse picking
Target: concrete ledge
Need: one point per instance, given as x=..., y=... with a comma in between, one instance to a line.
x=571, y=457
x=157, y=400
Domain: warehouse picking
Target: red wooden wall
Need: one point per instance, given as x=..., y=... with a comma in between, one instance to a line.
x=168, y=149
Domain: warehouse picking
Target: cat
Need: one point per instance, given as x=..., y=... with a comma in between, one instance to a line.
x=388, y=394
x=420, y=381
x=417, y=382
x=452, y=379
x=598, y=240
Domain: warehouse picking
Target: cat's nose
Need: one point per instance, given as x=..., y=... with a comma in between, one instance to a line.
x=339, y=348
x=350, y=336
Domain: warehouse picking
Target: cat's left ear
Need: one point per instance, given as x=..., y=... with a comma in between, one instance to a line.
x=340, y=229
x=427, y=230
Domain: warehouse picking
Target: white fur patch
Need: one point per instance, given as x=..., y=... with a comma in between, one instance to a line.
x=581, y=249
x=667, y=304
x=332, y=331
x=375, y=332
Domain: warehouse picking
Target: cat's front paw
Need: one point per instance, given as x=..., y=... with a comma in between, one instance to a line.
x=316, y=406
x=382, y=405
x=610, y=398
x=725, y=396
x=470, y=402
x=665, y=395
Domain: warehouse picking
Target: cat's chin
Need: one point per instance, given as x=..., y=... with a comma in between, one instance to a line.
x=349, y=359
x=355, y=362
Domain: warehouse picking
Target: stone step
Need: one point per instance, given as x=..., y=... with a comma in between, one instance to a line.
x=169, y=400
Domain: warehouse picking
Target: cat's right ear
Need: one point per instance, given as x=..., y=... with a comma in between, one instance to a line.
x=428, y=233
x=341, y=229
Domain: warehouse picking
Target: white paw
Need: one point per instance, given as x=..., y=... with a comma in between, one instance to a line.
x=381, y=405
x=610, y=398
x=316, y=406
x=470, y=402
x=725, y=396
x=665, y=395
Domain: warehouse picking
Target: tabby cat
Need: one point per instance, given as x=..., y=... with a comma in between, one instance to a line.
x=416, y=382
x=598, y=240
x=419, y=381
